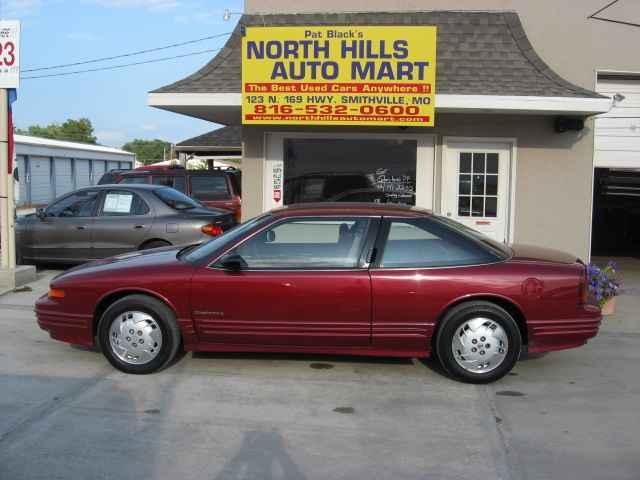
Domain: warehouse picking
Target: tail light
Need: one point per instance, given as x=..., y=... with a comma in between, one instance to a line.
x=213, y=230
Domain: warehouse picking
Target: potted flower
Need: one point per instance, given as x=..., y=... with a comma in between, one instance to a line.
x=604, y=286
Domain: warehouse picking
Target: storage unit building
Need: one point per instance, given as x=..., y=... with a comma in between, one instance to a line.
x=50, y=168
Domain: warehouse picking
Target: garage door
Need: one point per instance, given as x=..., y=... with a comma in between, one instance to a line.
x=113, y=166
x=98, y=170
x=63, y=176
x=617, y=133
x=83, y=173
x=125, y=165
x=40, y=176
x=21, y=192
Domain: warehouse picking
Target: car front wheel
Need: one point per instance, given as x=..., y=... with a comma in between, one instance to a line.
x=478, y=342
x=138, y=334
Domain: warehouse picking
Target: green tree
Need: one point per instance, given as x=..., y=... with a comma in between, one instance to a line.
x=80, y=130
x=148, y=151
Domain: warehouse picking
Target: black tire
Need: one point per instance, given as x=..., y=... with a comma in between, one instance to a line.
x=466, y=311
x=161, y=314
x=154, y=244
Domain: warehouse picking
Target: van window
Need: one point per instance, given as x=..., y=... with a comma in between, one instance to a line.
x=172, y=181
x=134, y=179
x=209, y=187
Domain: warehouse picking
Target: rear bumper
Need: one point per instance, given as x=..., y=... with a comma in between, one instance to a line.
x=549, y=335
x=66, y=327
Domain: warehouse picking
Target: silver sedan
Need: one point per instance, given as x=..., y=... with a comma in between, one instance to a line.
x=106, y=220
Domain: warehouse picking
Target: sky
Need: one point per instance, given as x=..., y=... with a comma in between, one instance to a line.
x=64, y=31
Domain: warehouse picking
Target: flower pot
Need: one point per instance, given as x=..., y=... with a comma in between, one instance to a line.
x=609, y=307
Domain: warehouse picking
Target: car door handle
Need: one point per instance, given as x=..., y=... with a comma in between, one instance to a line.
x=81, y=227
x=138, y=227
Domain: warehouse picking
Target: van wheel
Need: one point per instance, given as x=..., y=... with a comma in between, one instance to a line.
x=139, y=334
x=478, y=342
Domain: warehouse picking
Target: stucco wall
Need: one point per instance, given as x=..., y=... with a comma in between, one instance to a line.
x=252, y=171
x=553, y=187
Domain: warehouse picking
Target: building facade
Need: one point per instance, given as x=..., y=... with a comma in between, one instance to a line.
x=512, y=150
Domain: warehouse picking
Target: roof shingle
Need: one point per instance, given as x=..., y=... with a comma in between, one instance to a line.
x=478, y=53
x=230, y=137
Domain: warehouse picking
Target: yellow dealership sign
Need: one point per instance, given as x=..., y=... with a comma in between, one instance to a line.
x=312, y=75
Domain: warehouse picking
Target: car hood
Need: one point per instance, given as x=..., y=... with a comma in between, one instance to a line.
x=532, y=253
x=156, y=257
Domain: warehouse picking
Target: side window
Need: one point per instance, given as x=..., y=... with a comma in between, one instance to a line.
x=79, y=204
x=179, y=183
x=134, y=179
x=122, y=203
x=307, y=244
x=423, y=243
x=209, y=187
x=162, y=180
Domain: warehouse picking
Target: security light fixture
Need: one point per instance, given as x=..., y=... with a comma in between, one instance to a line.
x=566, y=124
x=226, y=16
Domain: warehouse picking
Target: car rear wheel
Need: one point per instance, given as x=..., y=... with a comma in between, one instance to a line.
x=478, y=342
x=138, y=334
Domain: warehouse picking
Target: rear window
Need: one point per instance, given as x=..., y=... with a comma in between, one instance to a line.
x=106, y=178
x=134, y=179
x=424, y=243
x=210, y=187
x=176, y=182
x=175, y=199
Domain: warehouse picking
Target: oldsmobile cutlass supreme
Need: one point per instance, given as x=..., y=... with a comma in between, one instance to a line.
x=358, y=279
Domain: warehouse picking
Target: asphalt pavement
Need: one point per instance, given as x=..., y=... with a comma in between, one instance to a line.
x=66, y=414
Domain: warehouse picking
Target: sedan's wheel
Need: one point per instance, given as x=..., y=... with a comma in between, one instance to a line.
x=135, y=337
x=478, y=342
x=479, y=345
x=138, y=334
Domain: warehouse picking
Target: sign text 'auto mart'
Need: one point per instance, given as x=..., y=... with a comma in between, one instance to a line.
x=370, y=75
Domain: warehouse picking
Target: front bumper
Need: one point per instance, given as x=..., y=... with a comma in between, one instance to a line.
x=67, y=327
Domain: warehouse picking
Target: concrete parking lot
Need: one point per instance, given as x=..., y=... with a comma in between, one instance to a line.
x=66, y=414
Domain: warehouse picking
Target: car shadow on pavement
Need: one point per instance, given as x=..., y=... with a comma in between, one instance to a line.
x=300, y=357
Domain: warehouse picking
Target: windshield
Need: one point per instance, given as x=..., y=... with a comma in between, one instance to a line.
x=497, y=247
x=176, y=199
x=207, y=249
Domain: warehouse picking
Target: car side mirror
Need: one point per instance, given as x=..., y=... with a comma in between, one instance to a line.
x=233, y=263
x=271, y=236
x=40, y=213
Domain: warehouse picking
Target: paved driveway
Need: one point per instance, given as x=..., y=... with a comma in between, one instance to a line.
x=65, y=413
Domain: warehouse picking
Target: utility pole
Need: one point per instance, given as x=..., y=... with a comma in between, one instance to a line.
x=7, y=238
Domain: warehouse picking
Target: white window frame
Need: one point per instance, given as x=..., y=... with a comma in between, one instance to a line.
x=512, y=144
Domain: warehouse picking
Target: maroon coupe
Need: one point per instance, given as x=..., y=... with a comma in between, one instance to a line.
x=329, y=278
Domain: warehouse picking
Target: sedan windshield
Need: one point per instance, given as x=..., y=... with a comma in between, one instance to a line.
x=205, y=250
x=176, y=199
